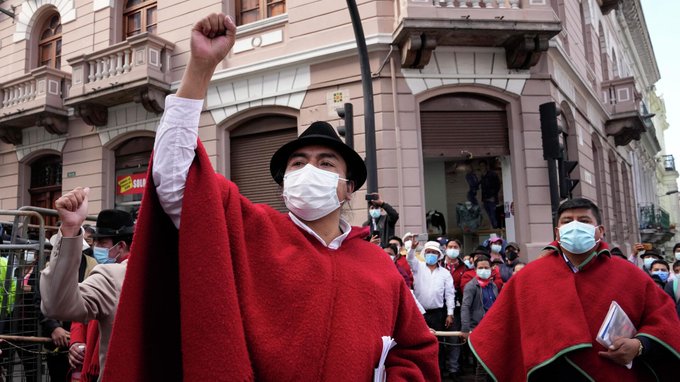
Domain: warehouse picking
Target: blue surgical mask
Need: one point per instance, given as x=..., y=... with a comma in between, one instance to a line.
x=431, y=258
x=496, y=248
x=663, y=275
x=577, y=237
x=484, y=273
x=452, y=253
x=101, y=254
x=375, y=213
x=647, y=261
x=468, y=263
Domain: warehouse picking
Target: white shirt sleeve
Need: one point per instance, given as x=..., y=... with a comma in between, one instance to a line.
x=449, y=294
x=174, y=150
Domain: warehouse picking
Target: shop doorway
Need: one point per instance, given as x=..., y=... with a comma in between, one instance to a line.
x=466, y=156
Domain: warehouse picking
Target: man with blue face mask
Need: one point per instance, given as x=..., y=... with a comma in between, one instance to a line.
x=381, y=225
x=433, y=287
x=210, y=313
x=551, y=312
x=96, y=298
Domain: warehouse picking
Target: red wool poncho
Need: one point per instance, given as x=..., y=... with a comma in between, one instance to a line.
x=548, y=315
x=243, y=294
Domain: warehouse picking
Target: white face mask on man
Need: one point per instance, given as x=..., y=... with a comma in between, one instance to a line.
x=310, y=193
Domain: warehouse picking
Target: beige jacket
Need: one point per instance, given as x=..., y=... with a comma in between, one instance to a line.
x=96, y=298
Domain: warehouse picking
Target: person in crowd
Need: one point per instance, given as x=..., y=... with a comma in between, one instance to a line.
x=61, y=331
x=471, y=273
x=96, y=297
x=616, y=251
x=648, y=258
x=676, y=257
x=433, y=288
x=511, y=259
x=321, y=261
x=583, y=281
x=518, y=267
x=673, y=286
x=660, y=270
x=408, y=239
x=457, y=268
x=383, y=218
x=393, y=252
x=495, y=247
x=479, y=295
x=638, y=251
x=401, y=259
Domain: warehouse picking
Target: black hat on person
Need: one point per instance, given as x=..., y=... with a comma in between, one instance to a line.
x=323, y=134
x=114, y=223
x=652, y=252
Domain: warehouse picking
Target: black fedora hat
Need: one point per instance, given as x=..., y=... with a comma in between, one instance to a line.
x=323, y=134
x=114, y=223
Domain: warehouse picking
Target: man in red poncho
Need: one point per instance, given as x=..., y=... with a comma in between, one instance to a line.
x=544, y=324
x=196, y=304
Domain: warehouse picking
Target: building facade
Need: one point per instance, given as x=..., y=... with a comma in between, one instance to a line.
x=457, y=88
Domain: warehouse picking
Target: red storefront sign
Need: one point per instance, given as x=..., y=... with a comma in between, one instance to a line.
x=130, y=184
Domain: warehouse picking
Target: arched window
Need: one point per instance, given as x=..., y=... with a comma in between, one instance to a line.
x=45, y=185
x=49, y=45
x=248, y=11
x=139, y=16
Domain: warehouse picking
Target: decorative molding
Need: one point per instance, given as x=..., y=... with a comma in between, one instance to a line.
x=284, y=87
x=54, y=124
x=258, y=41
x=36, y=139
x=29, y=8
x=10, y=135
x=455, y=65
x=101, y=4
x=416, y=50
x=525, y=51
x=152, y=99
x=127, y=118
x=92, y=114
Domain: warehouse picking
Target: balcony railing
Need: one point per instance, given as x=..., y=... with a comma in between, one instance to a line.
x=137, y=69
x=623, y=102
x=522, y=27
x=36, y=98
x=668, y=162
x=653, y=217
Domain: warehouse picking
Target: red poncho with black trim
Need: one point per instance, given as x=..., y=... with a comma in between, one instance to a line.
x=242, y=294
x=547, y=318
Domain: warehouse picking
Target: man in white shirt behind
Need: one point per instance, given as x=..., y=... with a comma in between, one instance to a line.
x=433, y=287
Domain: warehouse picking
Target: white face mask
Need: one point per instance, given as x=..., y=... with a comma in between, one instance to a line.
x=677, y=255
x=496, y=248
x=310, y=193
x=407, y=245
x=30, y=257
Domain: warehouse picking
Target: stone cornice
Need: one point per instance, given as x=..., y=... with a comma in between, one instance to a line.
x=635, y=21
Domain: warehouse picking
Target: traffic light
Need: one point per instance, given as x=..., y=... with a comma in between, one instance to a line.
x=346, y=130
x=550, y=130
x=567, y=184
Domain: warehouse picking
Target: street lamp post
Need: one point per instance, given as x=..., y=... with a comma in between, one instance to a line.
x=367, y=87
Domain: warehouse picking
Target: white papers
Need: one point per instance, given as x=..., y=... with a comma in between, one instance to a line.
x=616, y=324
x=380, y=374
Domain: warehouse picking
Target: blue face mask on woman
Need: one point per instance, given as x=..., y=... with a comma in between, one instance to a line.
x=375, y=213
x=577, y=237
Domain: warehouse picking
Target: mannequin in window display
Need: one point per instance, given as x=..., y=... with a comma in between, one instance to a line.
x=469, y=216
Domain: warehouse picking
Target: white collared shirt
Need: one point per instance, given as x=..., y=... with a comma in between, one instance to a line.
x=432, y=287
x=174, y=151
